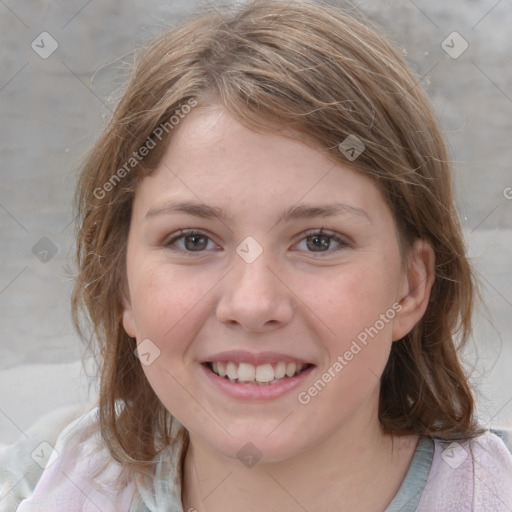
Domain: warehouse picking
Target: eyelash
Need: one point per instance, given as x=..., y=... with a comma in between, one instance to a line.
x=307, y=234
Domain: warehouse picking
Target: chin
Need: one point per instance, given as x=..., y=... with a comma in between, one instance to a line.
x=256, y=449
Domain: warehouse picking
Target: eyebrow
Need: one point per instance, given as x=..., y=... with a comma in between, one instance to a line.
x=300, y=211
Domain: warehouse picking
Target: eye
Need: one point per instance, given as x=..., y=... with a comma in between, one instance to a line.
x=319, y=241
x=193, y=241
x=189, y=240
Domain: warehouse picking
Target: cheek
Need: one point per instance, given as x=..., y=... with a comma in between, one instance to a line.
x=170, y=307
x=357, y=308
x=168, y=301
x=358, y=297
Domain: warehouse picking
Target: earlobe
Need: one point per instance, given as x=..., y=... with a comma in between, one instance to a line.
x=129, y=321
x=128, y=315
x=417, y=287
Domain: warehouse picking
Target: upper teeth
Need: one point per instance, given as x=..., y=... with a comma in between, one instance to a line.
x=247, y=372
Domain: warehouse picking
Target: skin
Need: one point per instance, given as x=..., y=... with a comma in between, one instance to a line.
x=294, y=298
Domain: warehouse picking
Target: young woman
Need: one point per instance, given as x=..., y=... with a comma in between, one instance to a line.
x=273, y=267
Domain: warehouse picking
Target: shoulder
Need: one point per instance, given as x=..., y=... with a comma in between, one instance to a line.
x=23, y=461
x=67, y=460
x=471, y=474
x=505, y=434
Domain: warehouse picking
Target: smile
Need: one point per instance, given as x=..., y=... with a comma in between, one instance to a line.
x=264, y=374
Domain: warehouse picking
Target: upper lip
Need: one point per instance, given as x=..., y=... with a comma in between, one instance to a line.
x=242, y=356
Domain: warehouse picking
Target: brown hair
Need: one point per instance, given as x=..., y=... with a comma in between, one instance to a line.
x=327, y=74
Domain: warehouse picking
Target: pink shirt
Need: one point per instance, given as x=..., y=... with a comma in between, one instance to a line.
x=468, y=476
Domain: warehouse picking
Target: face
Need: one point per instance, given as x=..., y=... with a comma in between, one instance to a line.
x=228, y=272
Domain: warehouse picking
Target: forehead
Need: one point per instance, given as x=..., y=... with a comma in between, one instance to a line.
x=212, y=158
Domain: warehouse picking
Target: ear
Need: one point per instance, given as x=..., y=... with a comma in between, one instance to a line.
x=416, y=287
x=129, y=318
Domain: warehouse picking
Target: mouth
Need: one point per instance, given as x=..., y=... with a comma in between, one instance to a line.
x=258, y=375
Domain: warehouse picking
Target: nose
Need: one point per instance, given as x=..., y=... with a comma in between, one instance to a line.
x=255, y=297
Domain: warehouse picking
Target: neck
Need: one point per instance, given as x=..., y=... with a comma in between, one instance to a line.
x=357, y=468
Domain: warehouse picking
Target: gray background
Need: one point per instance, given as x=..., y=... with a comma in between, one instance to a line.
x=52, y=109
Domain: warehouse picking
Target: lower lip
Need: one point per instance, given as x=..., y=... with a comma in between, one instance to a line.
x=257, y=391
